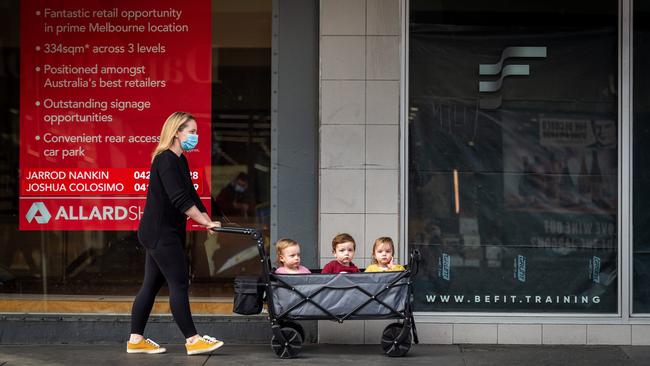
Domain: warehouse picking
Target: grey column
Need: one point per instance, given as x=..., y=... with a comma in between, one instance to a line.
x=294, y=121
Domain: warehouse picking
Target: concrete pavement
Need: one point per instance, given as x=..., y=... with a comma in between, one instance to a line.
x=317, y=354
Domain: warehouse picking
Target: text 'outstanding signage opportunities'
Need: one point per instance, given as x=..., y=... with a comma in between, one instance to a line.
x=98, y=79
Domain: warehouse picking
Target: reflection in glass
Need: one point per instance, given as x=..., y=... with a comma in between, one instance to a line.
x=108, y=263
x=641, y=160
x=521, y=101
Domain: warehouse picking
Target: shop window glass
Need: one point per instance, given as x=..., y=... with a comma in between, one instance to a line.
x=641, y=159
x=111, y=263
x=513, y=165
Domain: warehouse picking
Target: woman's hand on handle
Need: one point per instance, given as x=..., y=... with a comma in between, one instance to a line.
x=202, y=219
x=212, y=224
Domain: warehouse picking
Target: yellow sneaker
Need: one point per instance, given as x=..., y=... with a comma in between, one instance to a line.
x=144, y=346
x=203, y=345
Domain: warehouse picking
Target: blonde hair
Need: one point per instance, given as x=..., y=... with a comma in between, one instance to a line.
x=380, y=241
x=343, y=238
x=174, y=123
x=281, y=245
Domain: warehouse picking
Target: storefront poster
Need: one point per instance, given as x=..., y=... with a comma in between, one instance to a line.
x=98, y=79
x=530, y=223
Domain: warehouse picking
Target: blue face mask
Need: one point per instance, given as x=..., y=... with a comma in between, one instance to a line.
x=190, y=142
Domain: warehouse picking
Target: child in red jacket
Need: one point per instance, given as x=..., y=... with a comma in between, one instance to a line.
x=343, y=247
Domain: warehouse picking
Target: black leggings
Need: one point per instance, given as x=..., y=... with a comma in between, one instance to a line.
x=167, y=262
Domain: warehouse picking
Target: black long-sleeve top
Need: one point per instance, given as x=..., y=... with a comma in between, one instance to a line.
x=171, y=193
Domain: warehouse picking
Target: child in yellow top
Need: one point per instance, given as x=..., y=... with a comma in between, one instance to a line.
x=382, y=256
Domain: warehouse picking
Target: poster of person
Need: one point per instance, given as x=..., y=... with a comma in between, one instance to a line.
x=560, y=199
x=561, y=164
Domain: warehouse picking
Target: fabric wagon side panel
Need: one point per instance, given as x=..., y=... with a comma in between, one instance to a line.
x=340, y=294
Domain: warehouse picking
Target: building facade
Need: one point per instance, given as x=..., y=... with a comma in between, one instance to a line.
x=504, y=142
x=492, y=124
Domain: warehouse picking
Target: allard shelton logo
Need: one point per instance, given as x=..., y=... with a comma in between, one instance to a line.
x=489, y=98
x=38, y=212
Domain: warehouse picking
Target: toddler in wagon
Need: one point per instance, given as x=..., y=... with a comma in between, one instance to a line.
x=382, y=256
x=343, y=247
x=288, y=257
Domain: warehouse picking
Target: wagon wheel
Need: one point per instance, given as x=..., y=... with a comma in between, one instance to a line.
x=293, y=345
x=390, y=342
x=295, y=326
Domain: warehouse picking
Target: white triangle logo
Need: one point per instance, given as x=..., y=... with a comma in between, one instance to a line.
x=39, y=208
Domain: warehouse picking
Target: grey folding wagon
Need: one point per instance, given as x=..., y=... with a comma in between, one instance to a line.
x=336, y=297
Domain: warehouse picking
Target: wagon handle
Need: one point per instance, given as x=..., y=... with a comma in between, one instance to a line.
x=255, y=235
x=238, y=230
x=416, y=257
x=414, y=263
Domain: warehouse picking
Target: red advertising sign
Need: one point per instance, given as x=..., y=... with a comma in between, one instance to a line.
x=98, y=79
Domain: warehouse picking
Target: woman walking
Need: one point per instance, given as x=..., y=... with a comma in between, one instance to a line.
x=171, y=198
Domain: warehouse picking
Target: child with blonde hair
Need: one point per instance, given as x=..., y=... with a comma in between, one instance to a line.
x=382, y=256
x=288, y=257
